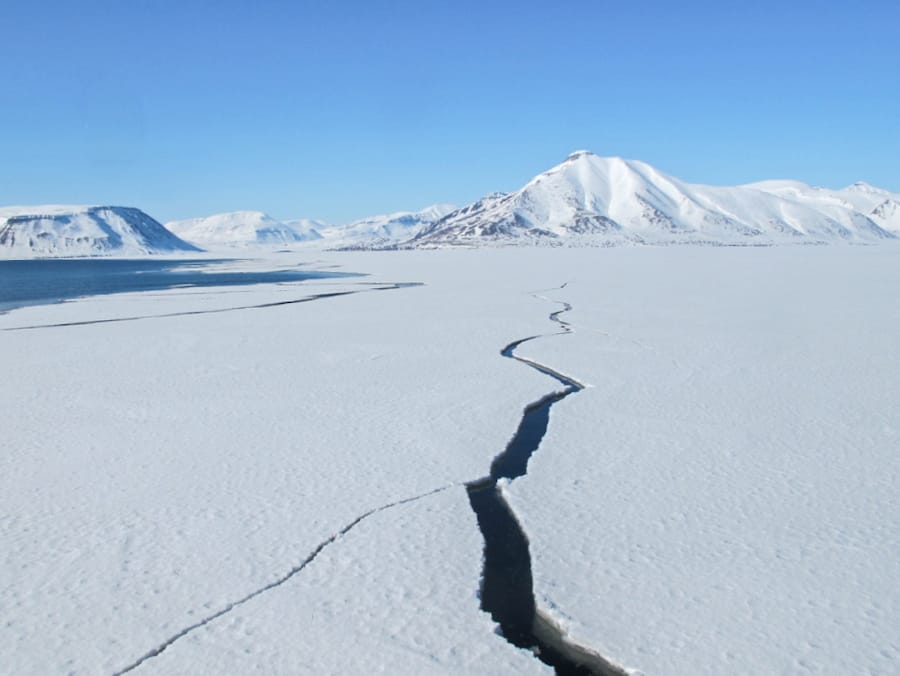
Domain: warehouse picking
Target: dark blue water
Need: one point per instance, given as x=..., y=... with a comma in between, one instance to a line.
x=507, y=590
x=37, y=282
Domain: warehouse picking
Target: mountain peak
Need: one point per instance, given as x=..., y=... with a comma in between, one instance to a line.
x=863, y=187
x=579, y=154
x=598, y=201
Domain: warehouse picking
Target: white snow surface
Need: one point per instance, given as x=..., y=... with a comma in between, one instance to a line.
x=391, y=598
x=727, y=482
x=589, y=200
x=720, y=499
x=59, y=230
x=160, y=469
x=241, y=228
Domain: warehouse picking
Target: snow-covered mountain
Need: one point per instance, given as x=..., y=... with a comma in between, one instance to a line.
x=880, y=205
x=385, y=229
x=241, y=228
x=54, y=230
x=592, y=200
x=308, y=228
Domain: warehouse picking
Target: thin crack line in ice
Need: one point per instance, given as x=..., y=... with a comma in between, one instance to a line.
x=507, y=589
x=280, y=581
x=392, y=286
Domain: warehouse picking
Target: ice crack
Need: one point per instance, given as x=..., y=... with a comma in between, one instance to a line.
x=507, y=590
x=277, y=583
x=392, y=286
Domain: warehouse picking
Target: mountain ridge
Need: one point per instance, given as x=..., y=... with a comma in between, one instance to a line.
x=593, y=200
x=384, y=230
x=237, y=228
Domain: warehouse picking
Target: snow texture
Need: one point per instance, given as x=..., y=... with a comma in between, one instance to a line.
x=728, y=481
x=280, y=489
x=159, y=469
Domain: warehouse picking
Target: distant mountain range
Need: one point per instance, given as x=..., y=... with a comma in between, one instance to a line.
x=592, y=200
x=248, y=228
x=385, y=230
x=239, y=228
x=27, y=232
x=587, y=200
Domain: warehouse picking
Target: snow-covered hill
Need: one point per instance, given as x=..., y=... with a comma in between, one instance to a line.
x=385, y=229
x=881, y=206
x=241, y=228
x=308, y=228
x=592, y=200
x=54, y=230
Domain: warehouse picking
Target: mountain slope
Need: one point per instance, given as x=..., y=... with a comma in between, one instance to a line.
x=589, y=199
x=385, y=229
x=879, y=205
x=27, y=232
x=240, y=228
x=308, y=228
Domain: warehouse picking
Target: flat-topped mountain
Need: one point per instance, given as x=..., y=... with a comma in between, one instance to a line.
x=55, y=230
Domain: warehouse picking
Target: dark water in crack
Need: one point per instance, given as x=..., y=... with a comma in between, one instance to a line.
x=507, y=591
x=39, y=282
x=513, y=462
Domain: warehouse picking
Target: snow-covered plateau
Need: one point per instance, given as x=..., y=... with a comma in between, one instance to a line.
x=56, y=230
x=230, y=480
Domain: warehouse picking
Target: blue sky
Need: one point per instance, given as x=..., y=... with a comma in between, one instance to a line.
x=343, y=109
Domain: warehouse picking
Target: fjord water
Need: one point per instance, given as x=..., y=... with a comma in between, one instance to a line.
x=37, y=282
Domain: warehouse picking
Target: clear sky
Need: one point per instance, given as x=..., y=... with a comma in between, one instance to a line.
x=341, y=109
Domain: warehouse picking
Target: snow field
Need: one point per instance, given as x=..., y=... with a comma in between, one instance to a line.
x=728, y=480
x=718, y=500
x=157, y=470
x=350, y=612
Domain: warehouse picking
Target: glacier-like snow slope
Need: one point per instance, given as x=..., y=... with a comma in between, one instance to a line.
x=592, y=200
x=386, y=229
x=728, y=481
x=55, y=230
x=240, y=228
x=158, y=470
